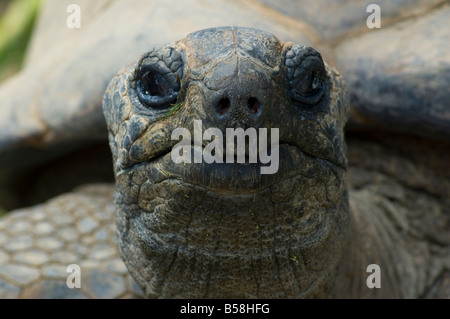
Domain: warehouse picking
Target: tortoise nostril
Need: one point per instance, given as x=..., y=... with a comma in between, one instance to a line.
x=254, y=105
x=223, y=106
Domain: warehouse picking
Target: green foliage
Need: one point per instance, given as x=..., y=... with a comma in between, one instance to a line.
x=173, y=109
x=16, y=25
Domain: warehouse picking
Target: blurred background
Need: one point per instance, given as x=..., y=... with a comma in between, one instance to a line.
x=17, y=18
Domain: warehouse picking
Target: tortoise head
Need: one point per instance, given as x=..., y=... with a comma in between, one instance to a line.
x=229, y=158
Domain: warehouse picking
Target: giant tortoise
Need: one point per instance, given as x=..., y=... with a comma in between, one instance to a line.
x=356, y=210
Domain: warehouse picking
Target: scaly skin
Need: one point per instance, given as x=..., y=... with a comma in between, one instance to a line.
x=226, y=230
x=38, y=243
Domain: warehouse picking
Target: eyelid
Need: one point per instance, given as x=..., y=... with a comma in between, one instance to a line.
x=308, y=95
x=309, y=63
x=157, y=101
x=304, y=66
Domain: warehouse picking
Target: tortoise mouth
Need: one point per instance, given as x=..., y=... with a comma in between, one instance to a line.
x=278, y=236
x=225, y=230
x=235, y=178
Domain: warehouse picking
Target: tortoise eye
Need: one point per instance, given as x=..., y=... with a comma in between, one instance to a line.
x=308, y=89
x=316, y=82
x=156, y=90
x=158, y=77
x=306, y=75
x=154, y=84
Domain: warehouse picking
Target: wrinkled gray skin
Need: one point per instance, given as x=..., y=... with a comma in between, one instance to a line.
x=226, y=230
x=53, y=137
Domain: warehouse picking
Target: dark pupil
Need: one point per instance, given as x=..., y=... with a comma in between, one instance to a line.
x=155, y=84
x=308, y=84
